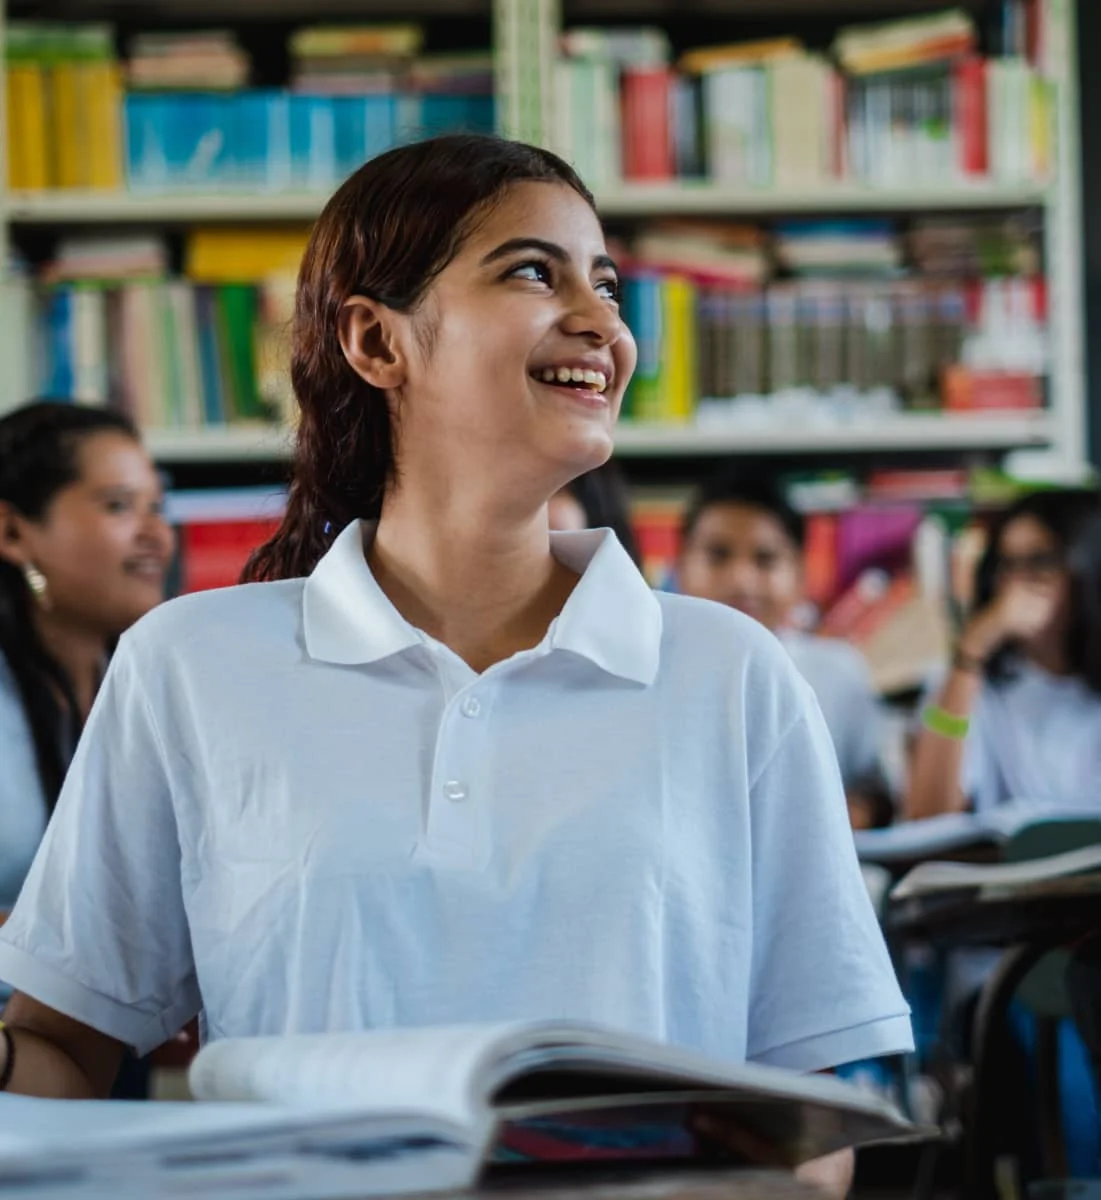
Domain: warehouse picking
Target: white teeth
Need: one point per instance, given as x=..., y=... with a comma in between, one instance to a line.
x=596, y=380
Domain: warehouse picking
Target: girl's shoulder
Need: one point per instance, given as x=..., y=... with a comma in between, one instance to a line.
x=222, y=620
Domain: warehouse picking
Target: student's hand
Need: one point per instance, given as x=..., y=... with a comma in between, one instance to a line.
x=1020, y=612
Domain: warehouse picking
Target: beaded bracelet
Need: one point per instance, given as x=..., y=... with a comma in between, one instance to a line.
x=938, y=720
x=9, y=1057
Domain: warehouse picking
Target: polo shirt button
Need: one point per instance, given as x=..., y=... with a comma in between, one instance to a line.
x=471, y=706
x=456, y=791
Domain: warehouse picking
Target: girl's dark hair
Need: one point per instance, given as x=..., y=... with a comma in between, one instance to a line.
x=39, y=448
x=1073, y=517
x=602, y=493
x=745, y=492
x=389, y=230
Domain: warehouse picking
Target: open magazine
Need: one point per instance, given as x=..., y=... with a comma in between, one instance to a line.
x=391, y=1111
x=996, y=880
x=950, y=833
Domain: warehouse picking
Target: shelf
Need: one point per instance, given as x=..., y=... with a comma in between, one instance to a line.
x=900, y=433
x=245, y=443
x=905, y=432
x=107, y=208
x=657, y=199
x=628, y=200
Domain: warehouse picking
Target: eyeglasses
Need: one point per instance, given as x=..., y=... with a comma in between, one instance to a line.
x=1041, y=565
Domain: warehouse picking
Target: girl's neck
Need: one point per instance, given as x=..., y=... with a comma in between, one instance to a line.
x=484, y=583
x=80, y=653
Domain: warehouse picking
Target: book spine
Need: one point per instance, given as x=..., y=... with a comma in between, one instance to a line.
x=647, y=136
x=66, y=121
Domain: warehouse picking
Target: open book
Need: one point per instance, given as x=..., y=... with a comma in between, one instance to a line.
x=910, y=841
x=407, y=1110
x=996, y=880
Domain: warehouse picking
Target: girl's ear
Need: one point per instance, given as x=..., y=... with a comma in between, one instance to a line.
x=368, y=338
x=13, y=540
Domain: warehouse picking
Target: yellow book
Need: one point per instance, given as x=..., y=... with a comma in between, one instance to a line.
x=102, y=84
x=1041, y=121
x=29, y=159
x=243, y=256
x=15, y=141
x=681, y=369
x=66, y=125
x=739, y=54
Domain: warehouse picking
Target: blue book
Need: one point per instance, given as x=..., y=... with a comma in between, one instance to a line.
x=57, y=329
x=146, y=152
x=313, y=141
x=210, y=362
x=380, y=124
x=349, y=133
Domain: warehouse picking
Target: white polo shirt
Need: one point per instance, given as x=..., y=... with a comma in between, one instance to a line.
x=292, y=809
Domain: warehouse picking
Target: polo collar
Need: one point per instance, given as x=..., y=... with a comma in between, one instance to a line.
x=612, y=618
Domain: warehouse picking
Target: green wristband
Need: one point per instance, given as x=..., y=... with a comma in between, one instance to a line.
x=947, y=724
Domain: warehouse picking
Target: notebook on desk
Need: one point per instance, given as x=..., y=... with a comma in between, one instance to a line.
x=385, y=1112
x=950, y=833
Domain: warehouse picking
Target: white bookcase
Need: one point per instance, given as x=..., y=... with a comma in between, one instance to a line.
x=525, y=36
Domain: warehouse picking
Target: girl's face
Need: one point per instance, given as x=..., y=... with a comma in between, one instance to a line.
x=1030, y=555
x=517, y=360
x=102, y=544
x=742, y=556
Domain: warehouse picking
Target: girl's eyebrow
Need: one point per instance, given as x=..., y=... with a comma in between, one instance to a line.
x=551, y=249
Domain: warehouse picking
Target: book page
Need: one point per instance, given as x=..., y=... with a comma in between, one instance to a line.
x=928, y=878
x=942, y=834
x=121, y=1148
x=433, y=1071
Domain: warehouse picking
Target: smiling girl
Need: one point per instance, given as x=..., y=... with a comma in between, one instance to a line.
x=84, y=550
x=442, y=765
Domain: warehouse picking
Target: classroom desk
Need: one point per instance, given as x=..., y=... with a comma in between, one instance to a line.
x=1028, y=923
x=742, y=1184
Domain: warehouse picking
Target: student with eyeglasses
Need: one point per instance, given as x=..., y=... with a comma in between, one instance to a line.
x=1018, y=716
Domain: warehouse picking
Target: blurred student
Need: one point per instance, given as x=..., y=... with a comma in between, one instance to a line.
x=596, y=500
x=84, y=550
x=742, y=545
x=1018, y=716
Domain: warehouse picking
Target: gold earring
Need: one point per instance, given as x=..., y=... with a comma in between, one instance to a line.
x=36, y=581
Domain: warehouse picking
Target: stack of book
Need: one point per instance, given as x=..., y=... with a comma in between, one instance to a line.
x=187, y=119
x=63, y=97
x=850, y=335
x=904, y=103
x=206, y=61
x=204, y=351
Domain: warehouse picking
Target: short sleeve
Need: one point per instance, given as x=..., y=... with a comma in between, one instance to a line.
x=99, y=932
x=22, y=802
x=822, y=990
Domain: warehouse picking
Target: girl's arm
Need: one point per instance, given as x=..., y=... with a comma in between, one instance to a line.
x=55, y=1056
x=936, y=769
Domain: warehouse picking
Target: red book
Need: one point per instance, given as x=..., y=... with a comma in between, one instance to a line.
x=970, y=115
x=213, y=553
x=820, y=559
x=647, y=96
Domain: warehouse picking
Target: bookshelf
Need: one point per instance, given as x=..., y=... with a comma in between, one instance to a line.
x=525, y=44
x=637, y=200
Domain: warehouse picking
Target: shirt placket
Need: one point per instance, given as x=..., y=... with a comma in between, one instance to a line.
x=456, y=830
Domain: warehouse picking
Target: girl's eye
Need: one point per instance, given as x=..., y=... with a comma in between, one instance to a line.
x=538, y=272
x=609, y=289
